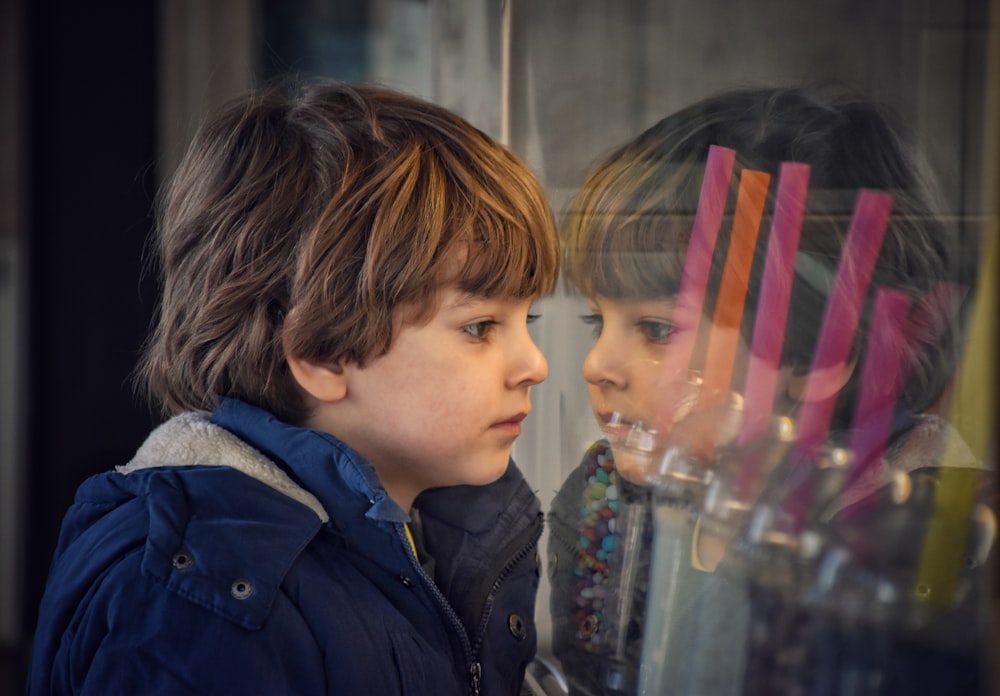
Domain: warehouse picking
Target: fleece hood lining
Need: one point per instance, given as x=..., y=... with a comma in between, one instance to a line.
x=190, y=439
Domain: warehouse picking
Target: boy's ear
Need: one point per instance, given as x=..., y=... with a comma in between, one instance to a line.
x=818, y=385
x=326, y=382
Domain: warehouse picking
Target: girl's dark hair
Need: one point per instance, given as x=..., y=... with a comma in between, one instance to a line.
x=626, y=232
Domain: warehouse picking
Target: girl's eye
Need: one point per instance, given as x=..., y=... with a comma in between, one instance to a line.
x=532, y=318
x=479, y=329
x=656, y=330
x=596, y=321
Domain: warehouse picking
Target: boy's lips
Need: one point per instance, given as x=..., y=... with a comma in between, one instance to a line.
x=511, y=424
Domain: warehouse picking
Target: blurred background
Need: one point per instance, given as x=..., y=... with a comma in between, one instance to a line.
x=97, y=101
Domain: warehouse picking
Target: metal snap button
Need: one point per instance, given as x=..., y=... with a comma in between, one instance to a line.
x=182, y=560
x=407, y=582
x=241, y=589
x=517, y=627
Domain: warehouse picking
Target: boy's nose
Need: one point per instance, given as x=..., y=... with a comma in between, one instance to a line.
x=531, y=365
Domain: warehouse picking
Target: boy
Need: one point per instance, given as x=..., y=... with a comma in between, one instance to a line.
x=347, y=281
x=626, y=242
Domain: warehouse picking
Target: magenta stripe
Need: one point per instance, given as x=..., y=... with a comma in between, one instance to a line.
x=843, y=310
x=772, y=307
x=881, y=374
x=698, y=259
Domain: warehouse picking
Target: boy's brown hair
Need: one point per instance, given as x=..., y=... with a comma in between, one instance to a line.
x=309, y=218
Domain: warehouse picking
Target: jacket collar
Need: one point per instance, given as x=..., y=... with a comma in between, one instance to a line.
x=340, y=478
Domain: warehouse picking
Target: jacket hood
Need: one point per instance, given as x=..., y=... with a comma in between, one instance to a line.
x=191, y=439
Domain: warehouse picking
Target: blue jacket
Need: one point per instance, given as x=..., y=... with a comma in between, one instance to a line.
x=238, y=554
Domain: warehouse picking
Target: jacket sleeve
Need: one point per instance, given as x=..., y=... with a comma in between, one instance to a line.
x=132, y=635
x=115, y=619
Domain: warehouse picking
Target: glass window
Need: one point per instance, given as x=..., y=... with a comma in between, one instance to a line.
x=820, y=517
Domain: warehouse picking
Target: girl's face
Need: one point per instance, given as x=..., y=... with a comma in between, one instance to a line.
x=650, y=390
x=631, y=379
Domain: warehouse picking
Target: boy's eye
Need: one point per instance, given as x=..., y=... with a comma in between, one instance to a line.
x=479, y=329
x=656, y=330
x=532, y=318
x=596, y=321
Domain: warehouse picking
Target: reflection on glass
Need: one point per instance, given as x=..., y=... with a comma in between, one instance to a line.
x=779, y=503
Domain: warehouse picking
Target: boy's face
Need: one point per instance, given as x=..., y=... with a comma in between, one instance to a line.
x=444, y=405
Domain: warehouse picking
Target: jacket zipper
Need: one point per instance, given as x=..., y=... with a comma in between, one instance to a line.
x=533, y=534
x=470, y=648
x=475, y=669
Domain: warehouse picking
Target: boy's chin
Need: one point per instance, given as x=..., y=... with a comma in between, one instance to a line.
x=488, y=472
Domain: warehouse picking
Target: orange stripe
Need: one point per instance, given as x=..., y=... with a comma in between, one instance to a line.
x=723, y=340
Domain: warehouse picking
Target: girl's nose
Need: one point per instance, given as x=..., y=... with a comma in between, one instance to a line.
x=602, y=364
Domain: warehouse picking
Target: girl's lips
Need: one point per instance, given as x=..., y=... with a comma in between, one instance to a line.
x=627, y=433
x=615, y=421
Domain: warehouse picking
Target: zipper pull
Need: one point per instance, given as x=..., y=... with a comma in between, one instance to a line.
x=476, y=673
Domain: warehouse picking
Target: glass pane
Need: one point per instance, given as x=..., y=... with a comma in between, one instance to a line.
x=765, y=536
x=810, y=510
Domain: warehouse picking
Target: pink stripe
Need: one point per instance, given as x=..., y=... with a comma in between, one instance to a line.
x=772, y=307
x=864, y=239
x=881, y=374
x=698, y=259
x=888, y=365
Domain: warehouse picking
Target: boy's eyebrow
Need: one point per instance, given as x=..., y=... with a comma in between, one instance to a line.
x=466, y=299
x=463, y=299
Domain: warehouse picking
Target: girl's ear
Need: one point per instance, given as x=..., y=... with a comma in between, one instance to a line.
x=325, y=382
x=818, y=385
